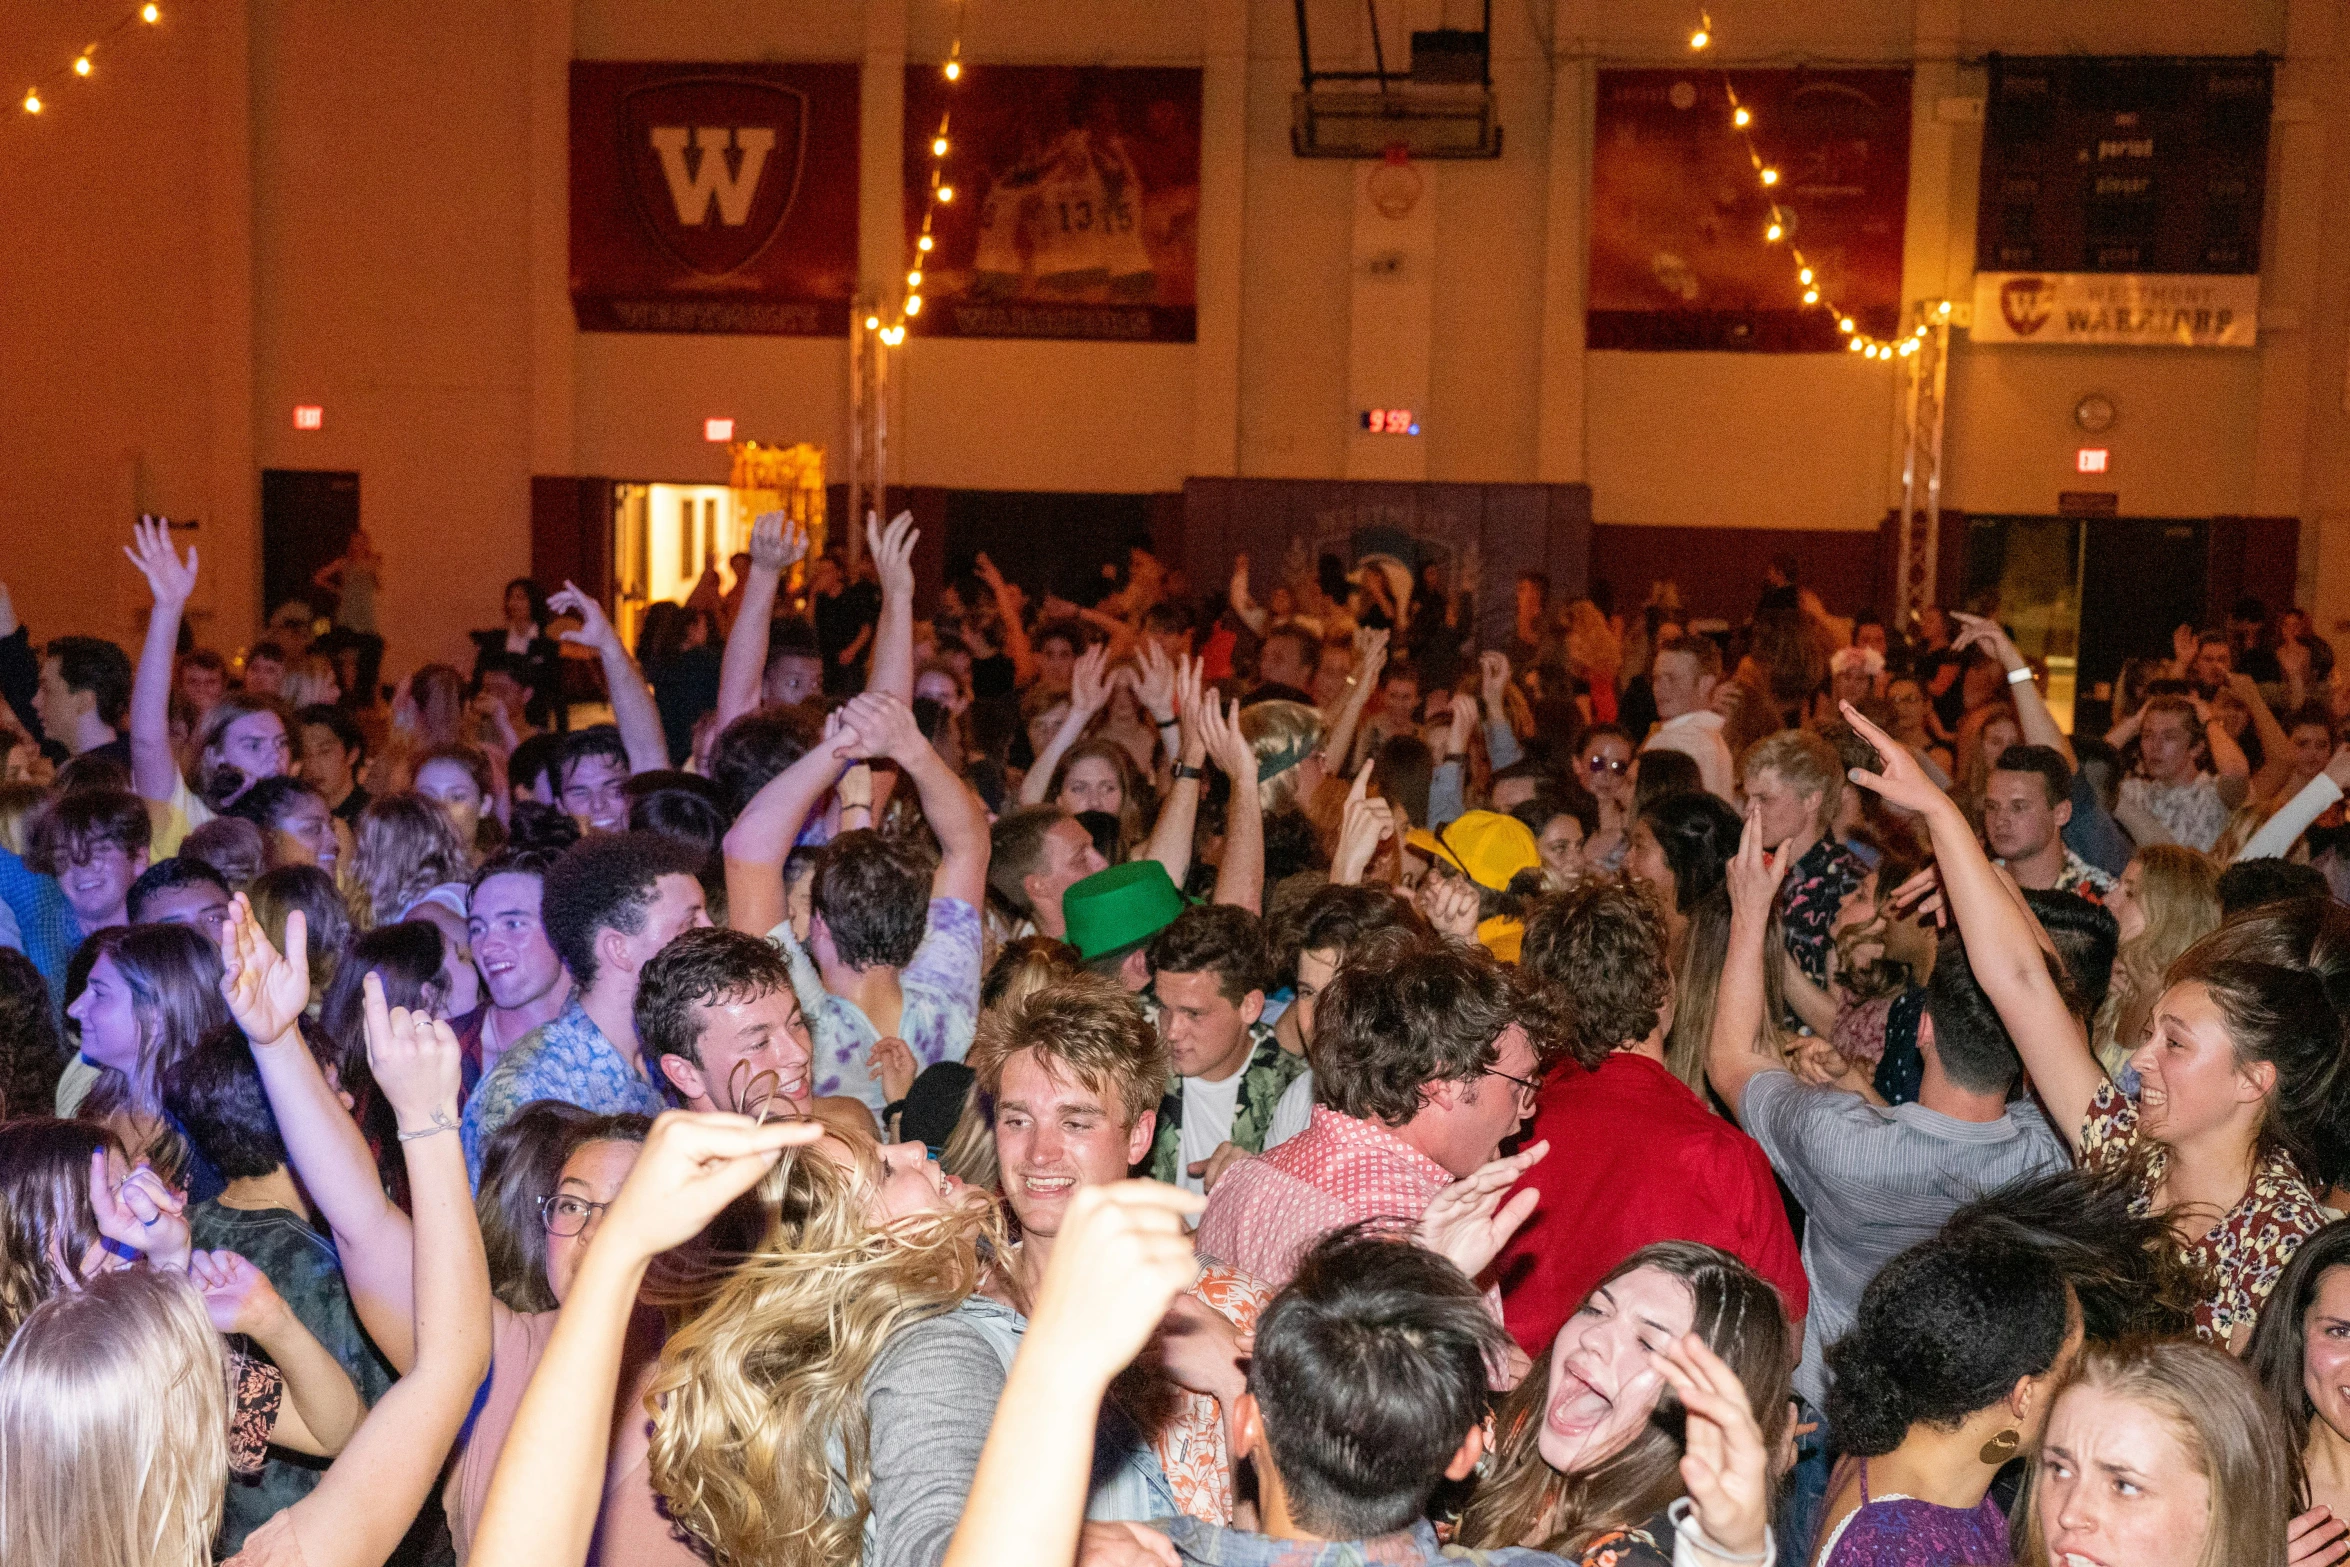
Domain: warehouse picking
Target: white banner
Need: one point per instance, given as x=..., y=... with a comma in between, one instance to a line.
x=2104, y=309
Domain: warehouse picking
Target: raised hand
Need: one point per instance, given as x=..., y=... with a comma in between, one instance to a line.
x=1989, y=635
x=1724, y=1462
x=266, y=990
x=1370, y=653
x=1154, y=681
x=1899, y=779
x=2183, y=645
x=892, y=1061
x=1493, y=678
x=238, y=1297
x=595, y=627
x=1464, y=725
x=1450, y=903
x=874, y=723
x=1366, y=824
x=988, y=574
x=1122, y=1257
x=1468, y=1222
x=693, y=1165
x=415, y=1060
x=892, y=549
x=1754, y=876
x=1220, y=729
x=142, y=1214
x=778, y=543
x=2316, y=1539
x=1240, y=575
x=1090, y=682
x=169, y=578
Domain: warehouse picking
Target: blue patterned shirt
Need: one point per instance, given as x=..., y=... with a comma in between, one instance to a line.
x=45, y=921
x=568, y=1059
x=940, y=988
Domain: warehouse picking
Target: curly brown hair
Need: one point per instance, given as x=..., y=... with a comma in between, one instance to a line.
x=1404, y=1012
x=1601, y=950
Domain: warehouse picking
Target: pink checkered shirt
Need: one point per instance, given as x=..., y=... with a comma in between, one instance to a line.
x=1267, y=1211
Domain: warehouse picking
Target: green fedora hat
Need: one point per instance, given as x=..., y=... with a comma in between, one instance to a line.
x=1113, y=911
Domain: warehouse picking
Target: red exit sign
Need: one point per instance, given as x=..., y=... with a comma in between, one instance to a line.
x=717, y=429
x=309, y=416
x=2090, y=459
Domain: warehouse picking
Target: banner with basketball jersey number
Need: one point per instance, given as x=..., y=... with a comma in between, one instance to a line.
x=713, y=198
x=1678, y=257
x=1076, y=205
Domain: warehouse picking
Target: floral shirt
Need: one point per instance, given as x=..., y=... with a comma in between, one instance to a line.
x=568, y=1059
x=2247, y=1250
x=256, y=1391
x=1267, y=1211
x=2084, y=880
x=1814, y=895
x=1649, y=1545
x=1191, y=1443
x=940, y=988
x=2191, y=812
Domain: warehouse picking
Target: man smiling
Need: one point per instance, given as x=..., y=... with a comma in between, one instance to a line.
x=716, y=1012
x=526, y=982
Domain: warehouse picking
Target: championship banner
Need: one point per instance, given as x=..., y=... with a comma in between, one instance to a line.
x=1678, y=258
x=2133, y=309
x=713, y=198
x=2140, y=166
x=1076, y=201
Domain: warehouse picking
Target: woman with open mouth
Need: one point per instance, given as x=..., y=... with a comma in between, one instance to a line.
x=1587, y=1455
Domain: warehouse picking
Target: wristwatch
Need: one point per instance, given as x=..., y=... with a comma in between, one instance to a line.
x=1185, y=770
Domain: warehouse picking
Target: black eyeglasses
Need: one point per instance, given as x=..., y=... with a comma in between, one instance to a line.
x=1528, y=1091
x=566, y=1215
x=1609, y=764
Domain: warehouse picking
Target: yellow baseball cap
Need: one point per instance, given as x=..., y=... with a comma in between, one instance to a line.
x=1488, y=847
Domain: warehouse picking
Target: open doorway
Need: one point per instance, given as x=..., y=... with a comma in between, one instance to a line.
x=664, y=537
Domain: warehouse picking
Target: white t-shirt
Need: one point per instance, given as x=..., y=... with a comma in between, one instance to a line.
x=1208, y=1109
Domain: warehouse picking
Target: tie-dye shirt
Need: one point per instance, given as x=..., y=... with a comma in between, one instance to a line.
x=940, y=988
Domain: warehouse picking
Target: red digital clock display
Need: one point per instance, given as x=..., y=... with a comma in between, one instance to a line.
x=1390, y=421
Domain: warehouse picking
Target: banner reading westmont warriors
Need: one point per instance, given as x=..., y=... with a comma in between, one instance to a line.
x=1076, y=209
x=713, y=198
x=2104, y=309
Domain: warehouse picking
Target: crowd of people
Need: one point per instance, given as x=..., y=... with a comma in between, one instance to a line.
x=1173, y=1081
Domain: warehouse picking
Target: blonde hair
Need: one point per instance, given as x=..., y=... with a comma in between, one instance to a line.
x=765, y=1382
x=1084, y=1028
x=2232, y=1432
x=2179, y=890
x=114, y=1412
x=407, y=846
x=1808, y=764
x=1280, y=732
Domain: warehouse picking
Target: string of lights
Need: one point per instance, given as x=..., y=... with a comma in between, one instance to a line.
x=36, y=97
x=942, y=193
x=1780, y=226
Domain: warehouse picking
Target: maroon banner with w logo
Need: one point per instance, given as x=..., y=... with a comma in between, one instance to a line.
x=713, y=198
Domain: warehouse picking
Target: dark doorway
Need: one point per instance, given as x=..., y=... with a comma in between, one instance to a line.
x=2141, y=578
x=306, y=520
x=1048, y=541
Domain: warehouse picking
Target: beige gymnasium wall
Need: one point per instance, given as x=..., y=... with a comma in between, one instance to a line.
x=265, y=202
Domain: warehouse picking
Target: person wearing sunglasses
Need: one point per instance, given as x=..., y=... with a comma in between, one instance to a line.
x=1604, y=766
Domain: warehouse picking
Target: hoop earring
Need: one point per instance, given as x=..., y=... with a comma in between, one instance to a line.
x=2002, y=1447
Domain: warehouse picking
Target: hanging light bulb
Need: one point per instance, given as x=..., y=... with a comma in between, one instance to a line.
x=913, y=304
x=1943, y=308
x=954, y=69
x=151, y=13
x=914, y=278
x=923, y=244
x=1844, y=325
x=938, y=147
x=946, y=193
x=1700, y=38
x=1770, y=176
x=1854, y=345
x=32, y=101
x=1774, y=233
x=1741, y=117
x=1804, y=276
x=872, y=323
x=81, y=66
x=1811, y=296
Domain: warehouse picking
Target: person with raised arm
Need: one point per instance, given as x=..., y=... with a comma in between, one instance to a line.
x=549, y=1488
x=633, y=709
x=370, y=1496
x=777, y=544
x=1171, y=836
x=1089, y=693
x=2090, y=832
x=2242, y=1061
x=894, y=943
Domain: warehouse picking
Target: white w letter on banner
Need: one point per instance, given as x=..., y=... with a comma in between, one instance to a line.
x=709, y=181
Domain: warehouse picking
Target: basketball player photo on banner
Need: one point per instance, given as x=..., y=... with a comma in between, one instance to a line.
x=713, y=198
x=1076, y=201
x=1679, y=258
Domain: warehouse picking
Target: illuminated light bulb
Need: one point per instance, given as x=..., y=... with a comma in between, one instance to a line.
x=1920, y=332
x=1844, y=325
x=151, y=14
x=1943, y=308
x=1770, y=176
x=1854, y=345
x=1700, y=38
x=872, y=323
x=1811, y=296
x=1741, y=118
x=81, y=67
x=923, y=244
x=938, y=148
x=913, y=304
x=946, y=193
x=1773, y=233
x=32, y=101
x=954, y=70
x=1804, y=276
